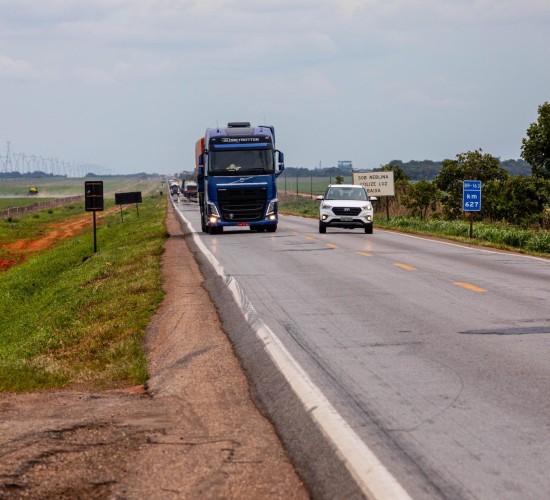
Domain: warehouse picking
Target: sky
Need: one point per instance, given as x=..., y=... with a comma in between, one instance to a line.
x=130, y=85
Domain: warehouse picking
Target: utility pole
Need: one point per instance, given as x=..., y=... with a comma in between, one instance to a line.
x=8, y=159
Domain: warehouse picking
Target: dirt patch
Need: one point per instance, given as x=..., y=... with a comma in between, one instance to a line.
x=17, y=251
x=193, y=432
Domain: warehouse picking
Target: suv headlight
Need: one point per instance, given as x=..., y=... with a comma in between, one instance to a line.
x=368, y=206
x=325, y=206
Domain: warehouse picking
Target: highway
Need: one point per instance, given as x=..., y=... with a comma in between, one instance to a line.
x=435, y=354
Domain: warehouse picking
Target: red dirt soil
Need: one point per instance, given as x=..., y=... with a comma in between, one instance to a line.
x=54, y=232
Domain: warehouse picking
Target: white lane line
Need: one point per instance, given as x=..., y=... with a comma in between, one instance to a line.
x=374, y=480
x=473, y=247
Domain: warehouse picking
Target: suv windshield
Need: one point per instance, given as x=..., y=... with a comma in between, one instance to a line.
x=346, y=193
x=239, y=162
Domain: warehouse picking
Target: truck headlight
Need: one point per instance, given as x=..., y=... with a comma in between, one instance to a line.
x=272, y=207
x=213, y=210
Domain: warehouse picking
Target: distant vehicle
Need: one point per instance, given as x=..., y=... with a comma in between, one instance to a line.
x=174, y=189
x=189, y=189
x=346, y=206
x=33, y=190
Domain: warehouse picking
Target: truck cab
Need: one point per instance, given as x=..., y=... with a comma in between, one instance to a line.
x=237, y=167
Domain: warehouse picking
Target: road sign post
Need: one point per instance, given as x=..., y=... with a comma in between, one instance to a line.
x=93, y=198
x=377, y=184
x=126, y=199
x=471, y=200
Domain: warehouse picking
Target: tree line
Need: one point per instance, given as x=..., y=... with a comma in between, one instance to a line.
x=515, y=198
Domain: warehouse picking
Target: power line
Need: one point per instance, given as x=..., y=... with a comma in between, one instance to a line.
x=26, y=164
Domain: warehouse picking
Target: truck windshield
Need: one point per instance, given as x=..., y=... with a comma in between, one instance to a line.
x=240, y=161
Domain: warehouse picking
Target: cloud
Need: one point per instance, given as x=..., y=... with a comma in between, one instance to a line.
x=422, y=99
x=14, y=69
x=98, y=76
x=360, y=62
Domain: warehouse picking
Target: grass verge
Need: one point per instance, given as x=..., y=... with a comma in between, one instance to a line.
x=69, y=317
x=32, y=225
x=20, y=202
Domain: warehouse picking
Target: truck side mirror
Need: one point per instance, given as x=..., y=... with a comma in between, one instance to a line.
x=281, y=160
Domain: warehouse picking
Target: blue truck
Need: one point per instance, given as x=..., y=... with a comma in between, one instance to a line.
x=236, y=169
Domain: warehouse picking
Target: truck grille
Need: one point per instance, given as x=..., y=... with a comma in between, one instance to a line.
x=346, y=210
x=242, y=204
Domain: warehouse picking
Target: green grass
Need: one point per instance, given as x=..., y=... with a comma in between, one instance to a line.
x=33, y=225
x=485, y=234
x=61, y=186
x=298, y=205
x=70, y=317
x=20, y=202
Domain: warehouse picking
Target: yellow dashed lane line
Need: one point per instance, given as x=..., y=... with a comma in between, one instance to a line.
x=405, y=266
x=364, y=253
x=471, y=287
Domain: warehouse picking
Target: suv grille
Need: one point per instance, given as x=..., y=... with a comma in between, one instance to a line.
x=346, y=210
x=242, y=205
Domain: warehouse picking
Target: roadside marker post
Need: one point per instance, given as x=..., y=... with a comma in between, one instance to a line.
x=471, y=200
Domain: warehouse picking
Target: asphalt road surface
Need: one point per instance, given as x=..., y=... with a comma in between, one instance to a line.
x=435, y=354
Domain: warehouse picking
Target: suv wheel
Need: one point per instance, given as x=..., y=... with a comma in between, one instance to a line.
x=322, y=227
x=368, y=229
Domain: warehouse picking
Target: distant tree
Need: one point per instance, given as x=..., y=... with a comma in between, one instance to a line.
x=518, y=200
x=516, y=167
x=535, y=149
x=421, y=197
x=422, y=170
x=339, y=179
x=401, y=185
x=394, y=166
x=473, y=165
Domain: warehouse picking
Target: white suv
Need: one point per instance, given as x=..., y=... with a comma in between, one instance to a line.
x=346, y=205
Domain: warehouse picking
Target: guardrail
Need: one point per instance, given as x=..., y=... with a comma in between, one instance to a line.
x=40, y=205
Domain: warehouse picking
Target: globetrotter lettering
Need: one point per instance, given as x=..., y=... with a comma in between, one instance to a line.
x=239, y=139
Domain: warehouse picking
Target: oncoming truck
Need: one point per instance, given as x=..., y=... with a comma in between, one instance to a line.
x=236, y=169
x=189, y=189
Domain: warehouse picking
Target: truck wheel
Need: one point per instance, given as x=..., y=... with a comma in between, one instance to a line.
x=272, y=228
x=204, y=227
x=322, y=227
